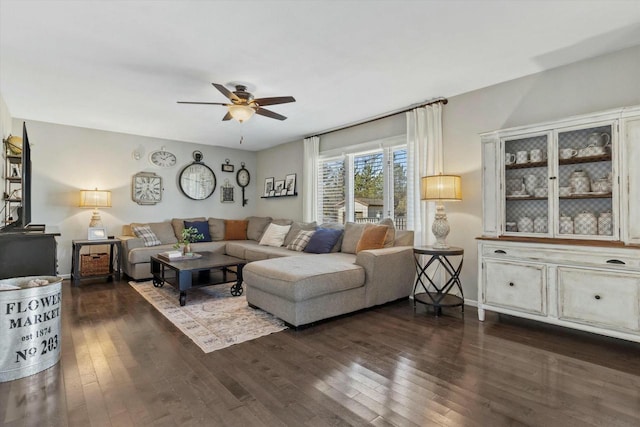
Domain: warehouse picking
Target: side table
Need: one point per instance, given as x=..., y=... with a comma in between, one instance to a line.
x=438, y=296
x=114, y=263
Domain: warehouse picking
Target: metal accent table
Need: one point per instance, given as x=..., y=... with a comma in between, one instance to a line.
x=441, y=297
x=115, y=262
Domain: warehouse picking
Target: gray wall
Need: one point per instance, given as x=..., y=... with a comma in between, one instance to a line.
x=67, y=159
x=592, y=85
x=278, y=162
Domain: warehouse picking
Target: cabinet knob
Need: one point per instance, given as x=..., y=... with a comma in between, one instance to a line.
x=511, y=284
x=499, y=251
x=615, y=261
x=597, y=297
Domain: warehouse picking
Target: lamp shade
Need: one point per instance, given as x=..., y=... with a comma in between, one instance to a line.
x=95, y=198
x=241, y=112
x=441, y=187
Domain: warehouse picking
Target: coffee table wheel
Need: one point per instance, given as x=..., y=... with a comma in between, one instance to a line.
x=158, y=283
x=236, y=290
x=183, y=298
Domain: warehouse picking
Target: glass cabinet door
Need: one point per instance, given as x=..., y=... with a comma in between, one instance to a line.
x=585, y=182
x=526, y=185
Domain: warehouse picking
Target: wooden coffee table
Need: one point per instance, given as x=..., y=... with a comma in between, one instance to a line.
x=209, y=269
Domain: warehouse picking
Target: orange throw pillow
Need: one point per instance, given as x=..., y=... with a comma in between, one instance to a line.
x=235, y=229
x=372, y=237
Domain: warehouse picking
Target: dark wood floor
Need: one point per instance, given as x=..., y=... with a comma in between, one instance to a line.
x=124, y=364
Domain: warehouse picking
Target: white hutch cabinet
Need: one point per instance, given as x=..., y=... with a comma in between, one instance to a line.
x=561, y=223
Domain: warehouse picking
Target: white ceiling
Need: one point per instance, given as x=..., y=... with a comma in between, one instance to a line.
x=122, y=65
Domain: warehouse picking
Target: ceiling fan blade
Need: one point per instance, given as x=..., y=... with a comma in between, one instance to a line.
x=270, y=114
x=226, y=92
x=227, y=117
x=274, y=100
x=203, y=103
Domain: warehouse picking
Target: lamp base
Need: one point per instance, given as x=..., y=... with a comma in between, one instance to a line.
x=440, y=227
x=96, y=221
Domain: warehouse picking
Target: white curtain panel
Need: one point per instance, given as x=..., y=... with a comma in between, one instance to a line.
x=310, y=177
x=424, y=157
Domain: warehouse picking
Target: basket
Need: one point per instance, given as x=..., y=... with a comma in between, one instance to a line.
x=94, y=264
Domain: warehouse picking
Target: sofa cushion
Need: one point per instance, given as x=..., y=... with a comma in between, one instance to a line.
x=256, y=227
x=373, y=237
x=300, y=278
x=178, y=225
x=391, y=232
x=216, y=229
x=162, y=230
x=142, y=255
x=302, y=239
x=296, y=227
x=351, y=237
x=323, y=240
x=146, y=234
x=274, y=235
x=202, y=227
x=238, y=248
x=257, y=253
x=235, y=229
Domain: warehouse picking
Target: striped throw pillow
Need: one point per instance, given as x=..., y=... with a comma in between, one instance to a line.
x=300, y=242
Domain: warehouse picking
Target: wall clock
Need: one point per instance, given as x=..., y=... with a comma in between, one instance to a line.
x=197, y=181
x=243, y=178
x=162, y=158
x=146, y=188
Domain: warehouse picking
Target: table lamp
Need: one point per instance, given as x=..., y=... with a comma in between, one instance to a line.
x=441, y=188
x=95, y=199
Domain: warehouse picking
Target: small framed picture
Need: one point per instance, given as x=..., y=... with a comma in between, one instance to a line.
x=226, y=193
x=226, y=167
x=97, y=233
x=272, y=193
x=290, y=184
x=268, y=187
x=279, y=186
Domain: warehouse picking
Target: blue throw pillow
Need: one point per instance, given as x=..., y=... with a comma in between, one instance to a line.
x=323, y=240
x=202, y=227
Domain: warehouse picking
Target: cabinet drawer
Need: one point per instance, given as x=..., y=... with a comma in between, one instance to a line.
x=596, y=256
x=520, y=286
x=602, y=298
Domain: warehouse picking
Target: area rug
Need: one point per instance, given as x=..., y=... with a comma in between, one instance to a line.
x=212, y=318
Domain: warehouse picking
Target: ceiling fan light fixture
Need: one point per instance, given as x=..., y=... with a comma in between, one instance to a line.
x=241, y=113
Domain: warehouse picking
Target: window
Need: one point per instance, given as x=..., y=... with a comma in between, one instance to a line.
x=364, y=186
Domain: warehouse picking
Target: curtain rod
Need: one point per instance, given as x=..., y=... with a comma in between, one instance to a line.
x=442, y=100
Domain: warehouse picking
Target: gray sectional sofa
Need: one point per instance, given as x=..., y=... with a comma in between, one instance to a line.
x=298, y=287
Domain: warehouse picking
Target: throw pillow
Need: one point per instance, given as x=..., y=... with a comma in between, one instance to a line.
x=144, y=232
x=372, y=237
x=323, y=240
x=235, y=229
x=202, y=227
x=178, y=224
x=274, y=236
x=296, y=227
x=257, y=226
x=351, y=237
x=216, y=229
x=301, y=240
x=335, y=226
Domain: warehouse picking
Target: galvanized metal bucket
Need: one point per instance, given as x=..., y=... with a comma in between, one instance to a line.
x=30, y=337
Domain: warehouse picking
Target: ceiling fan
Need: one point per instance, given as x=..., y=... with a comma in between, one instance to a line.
x=243, y=105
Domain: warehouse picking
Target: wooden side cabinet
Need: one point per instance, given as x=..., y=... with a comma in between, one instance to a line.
x=115, y=260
